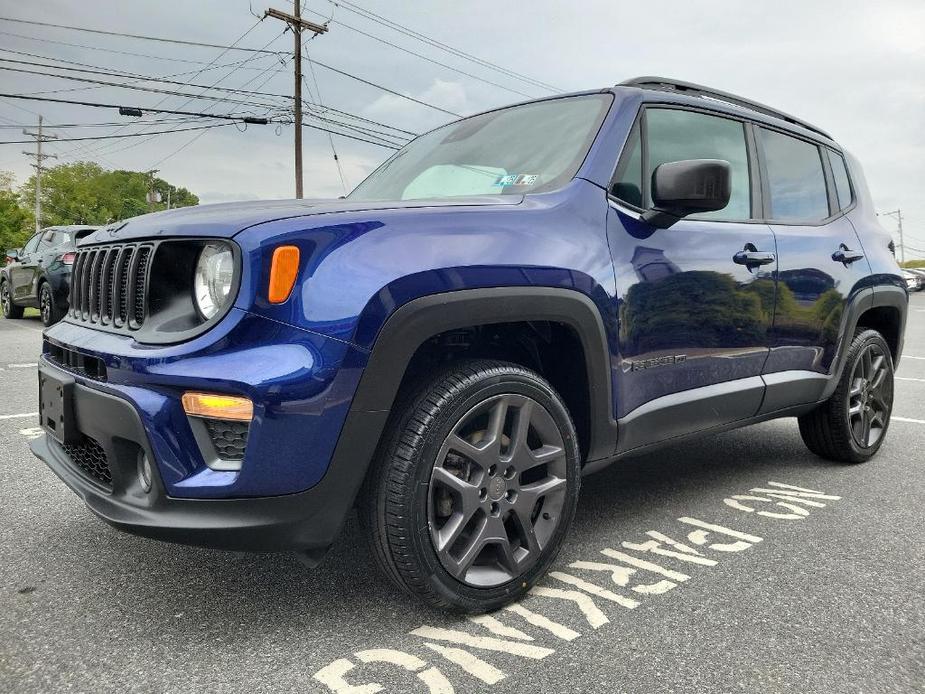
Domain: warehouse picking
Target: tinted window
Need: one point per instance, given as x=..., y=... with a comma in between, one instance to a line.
x=795, y=178
x=628, y=181
x=842, y=183
x=32, y=244
x=48, y=240
x=673, y=135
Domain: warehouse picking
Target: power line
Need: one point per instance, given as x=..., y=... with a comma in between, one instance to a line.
x=113, y=137
x=108, y=124
x=118, y=52
x=142, y=37
x=423, y=57
x=98, y=70
x=245, y=119
x=215, y=59
x=395, y=26
x=267, y=52
x=386, y=89
x=133, y=87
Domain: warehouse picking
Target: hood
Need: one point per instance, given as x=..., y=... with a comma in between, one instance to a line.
x=224, y=220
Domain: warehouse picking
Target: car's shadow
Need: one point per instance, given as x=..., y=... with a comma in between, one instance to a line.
x=271, y=593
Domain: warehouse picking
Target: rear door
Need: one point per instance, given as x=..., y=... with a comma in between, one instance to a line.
x=821, y=263
x=693, y=316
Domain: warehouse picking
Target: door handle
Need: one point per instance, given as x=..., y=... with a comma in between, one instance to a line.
x=751, y=257
x=846, y=255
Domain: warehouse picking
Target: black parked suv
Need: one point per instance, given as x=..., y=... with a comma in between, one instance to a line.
x=38, y=275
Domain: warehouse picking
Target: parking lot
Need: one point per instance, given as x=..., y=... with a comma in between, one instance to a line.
x=740, y=562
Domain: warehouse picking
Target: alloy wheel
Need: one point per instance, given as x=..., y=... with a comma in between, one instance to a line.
x=5, y=300
x=46, y=305
x=870, y=396
x=497, y=490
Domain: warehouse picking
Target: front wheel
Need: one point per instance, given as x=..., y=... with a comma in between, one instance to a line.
x=851, y=425
x=474, y=486
x=10, y=310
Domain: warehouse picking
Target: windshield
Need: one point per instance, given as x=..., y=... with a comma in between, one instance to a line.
x=522, y=149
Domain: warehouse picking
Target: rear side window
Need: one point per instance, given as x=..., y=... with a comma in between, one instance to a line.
x=48, y=240
x=674, y=135
x=796, y=181
x=842, y=182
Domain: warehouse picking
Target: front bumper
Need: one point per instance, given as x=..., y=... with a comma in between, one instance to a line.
x=305, y=521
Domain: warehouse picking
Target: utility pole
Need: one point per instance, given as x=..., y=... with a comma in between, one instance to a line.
x=297, y=24
x=39, y=158
x=898, y=213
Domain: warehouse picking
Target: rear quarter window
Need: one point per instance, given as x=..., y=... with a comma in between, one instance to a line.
x=842, y=180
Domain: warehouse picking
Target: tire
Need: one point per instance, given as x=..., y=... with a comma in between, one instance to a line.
x=10, y=310
x=440, y=474
x=51, y=314
x=852, y=424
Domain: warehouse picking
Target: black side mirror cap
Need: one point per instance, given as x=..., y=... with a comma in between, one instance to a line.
x=681, y=188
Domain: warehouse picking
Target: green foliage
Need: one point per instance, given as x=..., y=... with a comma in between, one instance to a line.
x=85, y=193
x=15, y=221
x=913, y=263
x=699, y=307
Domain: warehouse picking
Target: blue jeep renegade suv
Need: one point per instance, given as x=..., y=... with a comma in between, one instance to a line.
x=510, y=302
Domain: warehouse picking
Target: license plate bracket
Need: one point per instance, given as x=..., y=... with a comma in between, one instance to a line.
x=56, y=407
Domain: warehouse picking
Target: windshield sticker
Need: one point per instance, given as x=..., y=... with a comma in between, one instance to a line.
x=517, y=180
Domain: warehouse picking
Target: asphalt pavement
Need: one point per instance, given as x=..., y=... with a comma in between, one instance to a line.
x=739, y=562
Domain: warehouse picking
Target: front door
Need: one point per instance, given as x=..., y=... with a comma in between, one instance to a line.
x=22, y=274
x=696, y=300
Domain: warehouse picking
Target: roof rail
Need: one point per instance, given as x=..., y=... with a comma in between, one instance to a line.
x=667, y=84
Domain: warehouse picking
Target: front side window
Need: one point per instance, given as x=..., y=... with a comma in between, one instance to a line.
x=842, y=182
x=796, y=181
x=32, y=244
x=675, y=135
x=522, y=149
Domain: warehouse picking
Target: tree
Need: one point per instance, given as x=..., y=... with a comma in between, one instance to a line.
x=85, y=193
x=15, y=220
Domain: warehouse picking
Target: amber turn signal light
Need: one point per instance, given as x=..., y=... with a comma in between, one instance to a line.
x=217, y=406
x=283, y=270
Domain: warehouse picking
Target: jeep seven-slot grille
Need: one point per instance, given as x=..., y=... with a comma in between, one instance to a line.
x=108, y=285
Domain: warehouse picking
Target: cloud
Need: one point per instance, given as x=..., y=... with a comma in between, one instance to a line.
x=446, y=94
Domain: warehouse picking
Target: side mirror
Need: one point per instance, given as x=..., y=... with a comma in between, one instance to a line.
x=12, y=255
x=681, y=188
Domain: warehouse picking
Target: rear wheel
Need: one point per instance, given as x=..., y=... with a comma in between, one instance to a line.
x=10, y=310
x=474, y=487
x=851, y=425
x=51, y=314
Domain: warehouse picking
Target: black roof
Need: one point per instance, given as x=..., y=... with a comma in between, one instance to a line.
x=691, y=89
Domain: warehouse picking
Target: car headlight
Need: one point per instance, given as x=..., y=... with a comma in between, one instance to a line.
x=213, y=280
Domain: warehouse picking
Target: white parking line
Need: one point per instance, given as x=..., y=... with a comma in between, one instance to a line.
x=907, y=419
x=23, y=415
x=906, y=378
x=909, y=356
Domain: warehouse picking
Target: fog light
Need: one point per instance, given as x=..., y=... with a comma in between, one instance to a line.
x=145, y=473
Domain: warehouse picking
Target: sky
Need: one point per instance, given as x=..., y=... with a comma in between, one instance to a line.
x=856, y=69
